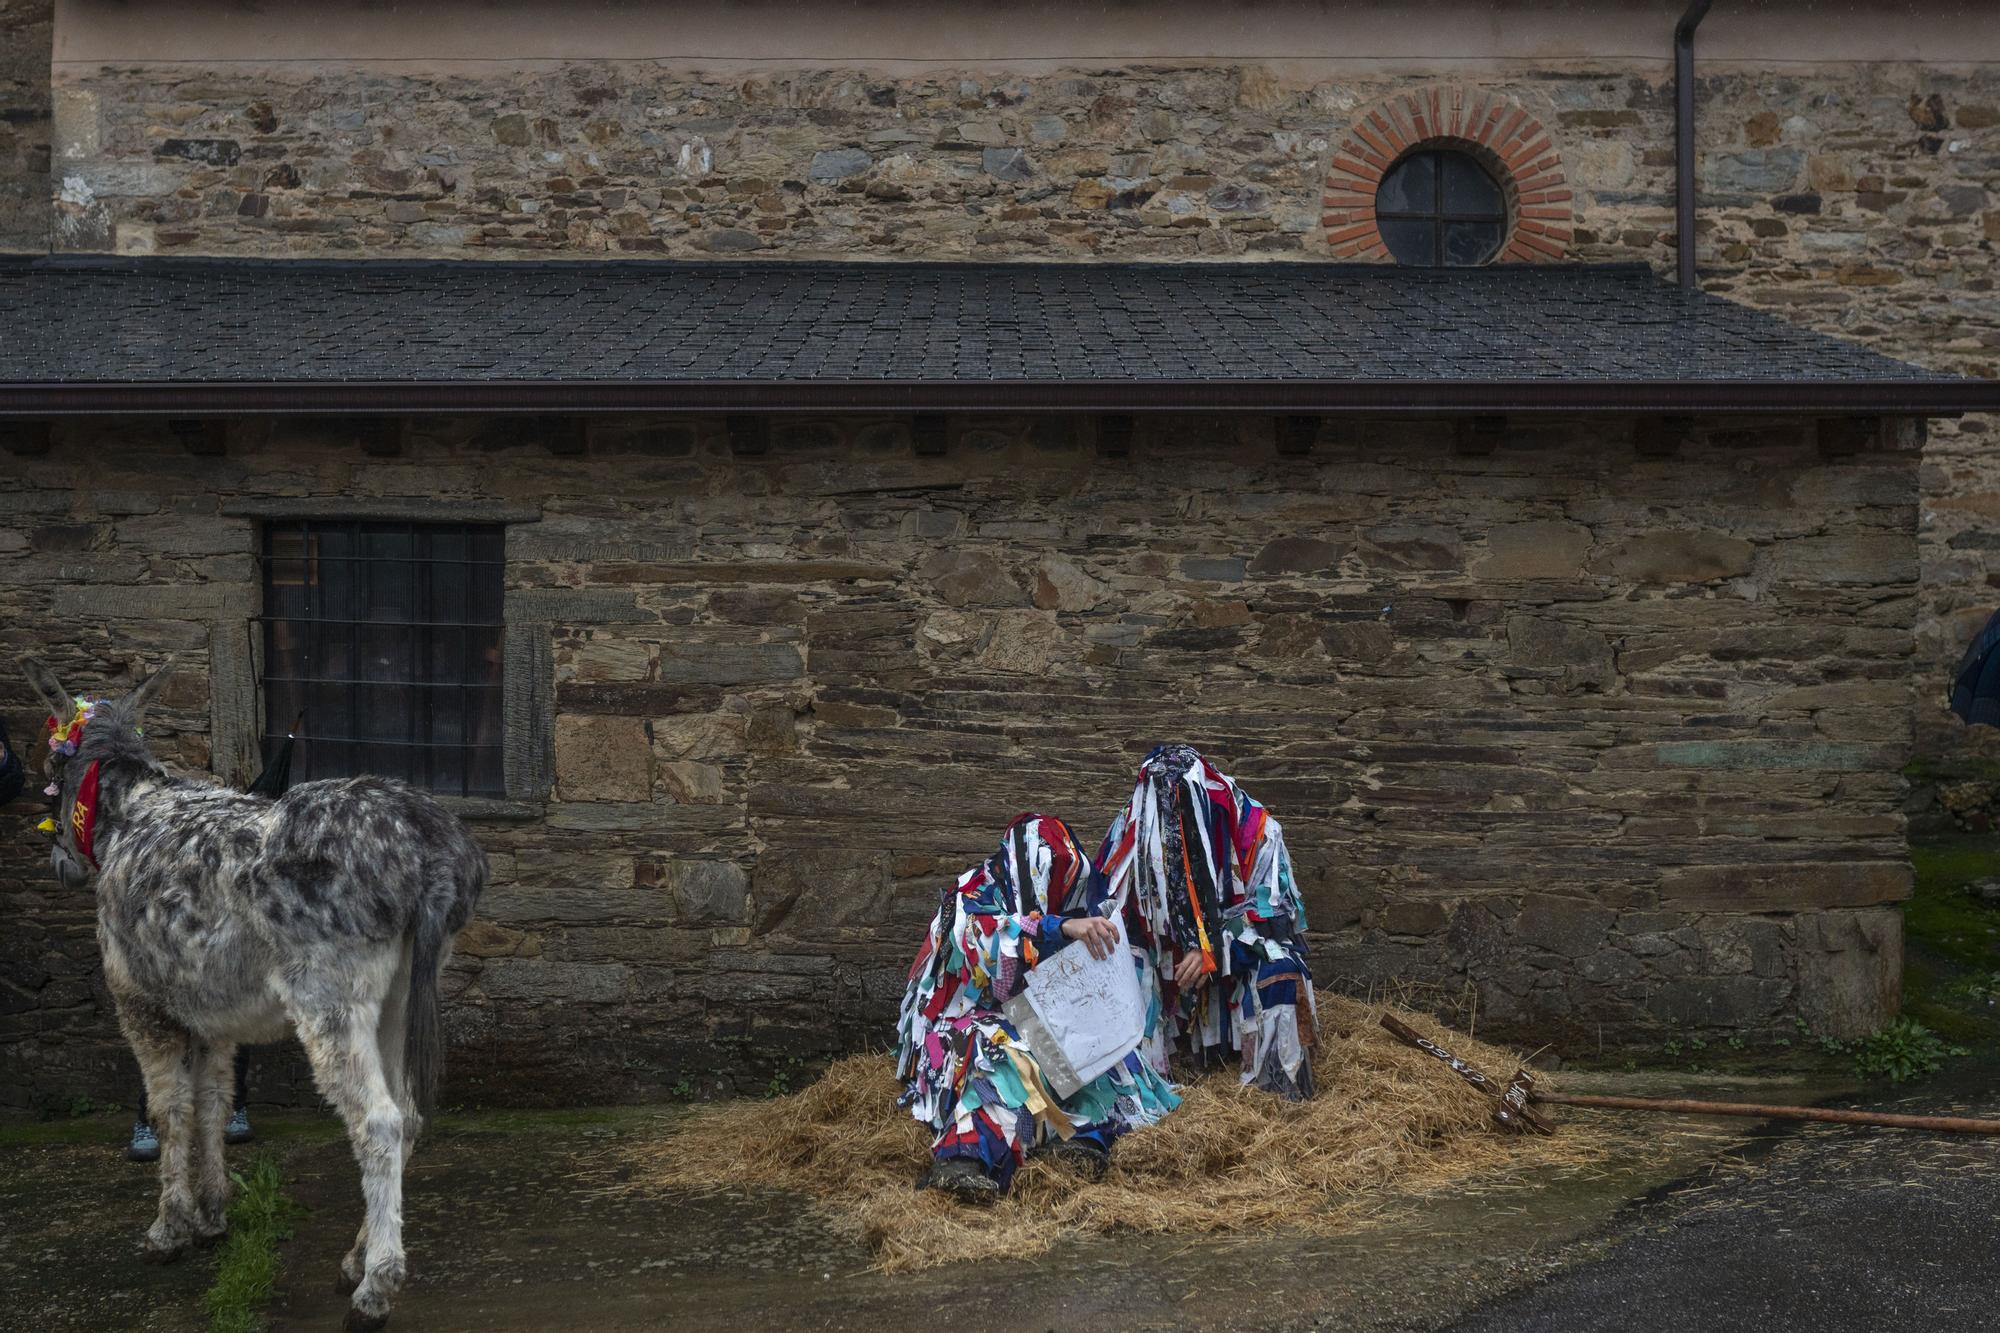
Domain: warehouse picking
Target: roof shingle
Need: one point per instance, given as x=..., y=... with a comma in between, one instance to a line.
x=119, y=335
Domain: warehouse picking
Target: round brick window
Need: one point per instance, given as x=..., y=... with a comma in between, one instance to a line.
x=1440, y=208
x=1447, y=177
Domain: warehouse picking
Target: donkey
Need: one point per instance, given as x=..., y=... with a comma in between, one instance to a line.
x=224, y=917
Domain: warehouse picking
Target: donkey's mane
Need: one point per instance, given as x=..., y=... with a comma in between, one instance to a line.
x=112, y=737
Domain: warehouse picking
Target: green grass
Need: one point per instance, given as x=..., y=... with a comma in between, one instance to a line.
x=1958, y=768
x=1952, y=941
x=23, y=1131
x=246, y=1274
x=1945, y=920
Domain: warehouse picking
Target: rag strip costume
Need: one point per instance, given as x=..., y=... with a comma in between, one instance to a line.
x=965, y=1072
x=1198, y=867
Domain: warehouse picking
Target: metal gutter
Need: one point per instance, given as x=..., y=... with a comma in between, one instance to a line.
x=1909, y=398
x=1684, y=139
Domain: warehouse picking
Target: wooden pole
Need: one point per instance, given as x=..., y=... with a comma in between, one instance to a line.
x=1947, y=1124
x=1514, y=1114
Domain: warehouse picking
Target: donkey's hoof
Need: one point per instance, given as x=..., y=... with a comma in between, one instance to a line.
x=163, y=1254
x=357, y=1322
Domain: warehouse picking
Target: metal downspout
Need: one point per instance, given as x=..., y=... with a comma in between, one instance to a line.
x=1684, y=138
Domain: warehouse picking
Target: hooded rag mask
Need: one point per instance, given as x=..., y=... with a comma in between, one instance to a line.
x=965, y=1071
x=1200, y=870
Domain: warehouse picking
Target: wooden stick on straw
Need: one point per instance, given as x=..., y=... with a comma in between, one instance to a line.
x=1514, y=1115
x=1948, y=1124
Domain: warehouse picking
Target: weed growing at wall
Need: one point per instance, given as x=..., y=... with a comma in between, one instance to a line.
x=1903, y=1050
x=261, y=1215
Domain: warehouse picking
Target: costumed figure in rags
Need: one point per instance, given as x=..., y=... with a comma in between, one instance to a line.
x=964, y=1068
x=1201, y=874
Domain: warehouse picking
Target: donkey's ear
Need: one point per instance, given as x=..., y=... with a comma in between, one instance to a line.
x=135, y=703
x=48, y=689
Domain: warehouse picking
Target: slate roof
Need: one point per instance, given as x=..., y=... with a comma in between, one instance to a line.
x=272, y=335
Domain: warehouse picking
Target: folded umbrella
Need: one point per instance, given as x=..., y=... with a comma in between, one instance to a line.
x=277, y=775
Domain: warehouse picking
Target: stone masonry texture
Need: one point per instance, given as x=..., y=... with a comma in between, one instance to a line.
x=1861, y=200
x=1611, y=742
x=25, y=31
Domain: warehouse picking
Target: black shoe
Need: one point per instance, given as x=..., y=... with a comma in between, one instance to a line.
x=1083, y=1157
x=963, y=1179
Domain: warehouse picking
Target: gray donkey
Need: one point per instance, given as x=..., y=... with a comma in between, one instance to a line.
x=224, y=917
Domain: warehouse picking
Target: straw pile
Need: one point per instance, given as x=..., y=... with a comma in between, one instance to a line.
x=1389, y=1124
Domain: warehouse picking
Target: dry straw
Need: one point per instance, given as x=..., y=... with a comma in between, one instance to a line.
x=1389, y=1125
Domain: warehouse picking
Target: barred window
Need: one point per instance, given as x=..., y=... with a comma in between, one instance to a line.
x=1441, y=209
x=385, y=639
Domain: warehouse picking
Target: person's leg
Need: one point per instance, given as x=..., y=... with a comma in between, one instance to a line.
x=145, y=1144
x=1277, y=1028
x=977, y=1154
x=238, y=1128
x=1087, y=1152
x=1100, y=1137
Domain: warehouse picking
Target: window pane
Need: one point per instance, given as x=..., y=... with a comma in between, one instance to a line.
x=384, y=712
x=1470, y=243
x=389, y=636
x=1410, y=186
x=386, y=575
x=447, y=772
x=333, y=582
x=1411, y=240
x=1468, y=189
x=385, y=653
x=483, y=594
x=444, y=657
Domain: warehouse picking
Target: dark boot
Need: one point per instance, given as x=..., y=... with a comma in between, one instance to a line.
x=1086, y=1157
x=964, y=1179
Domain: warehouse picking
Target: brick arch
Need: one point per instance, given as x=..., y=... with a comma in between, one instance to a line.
x=1513, y=144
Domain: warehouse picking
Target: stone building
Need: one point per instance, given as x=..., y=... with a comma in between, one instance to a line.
x=1572, y=624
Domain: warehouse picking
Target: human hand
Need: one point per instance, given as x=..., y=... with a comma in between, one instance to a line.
x=1098, y=935
x=1188, y=970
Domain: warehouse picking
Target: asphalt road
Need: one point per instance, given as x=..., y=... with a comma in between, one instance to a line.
x=1828, y=1229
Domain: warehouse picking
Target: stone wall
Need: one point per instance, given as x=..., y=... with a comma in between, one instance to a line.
x=26, y=28
x=1610, y=742
x=1861, y=199
x=1869, y=209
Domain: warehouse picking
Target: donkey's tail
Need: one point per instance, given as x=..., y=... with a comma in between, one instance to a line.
x=443, y=910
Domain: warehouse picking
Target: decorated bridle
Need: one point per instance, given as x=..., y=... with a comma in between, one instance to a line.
x=65, y=739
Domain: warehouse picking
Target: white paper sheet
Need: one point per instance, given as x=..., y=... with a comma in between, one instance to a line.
x=1080, y=1015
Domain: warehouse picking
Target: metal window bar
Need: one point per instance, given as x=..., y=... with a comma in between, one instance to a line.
x=1436, y=215
x=356, y=580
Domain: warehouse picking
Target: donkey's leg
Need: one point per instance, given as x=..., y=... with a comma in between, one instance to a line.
x=391, y=1033
x=166, y=1060
x=353, y=1264
x=392, y=1039
x=214, y=1093
x=341, y=1043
